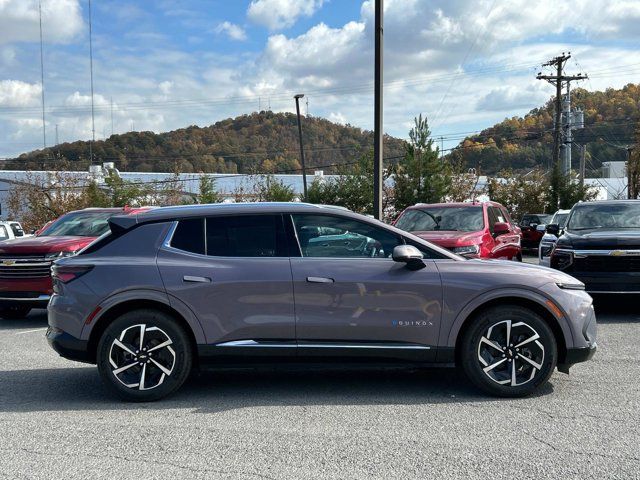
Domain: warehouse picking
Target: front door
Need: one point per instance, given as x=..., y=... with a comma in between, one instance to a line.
x=353, y=299
x=233, y=272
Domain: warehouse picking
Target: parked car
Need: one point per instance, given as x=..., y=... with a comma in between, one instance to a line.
x=531, y=236
x=10, y=230
x=256, y=284
x=25, y=263
x=549, y=239
x=600, y=246
x=473, y=230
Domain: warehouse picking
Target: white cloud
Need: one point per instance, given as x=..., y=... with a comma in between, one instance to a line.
x=15, y=93
x=233, y=31
x=337, y=117
x=278, y=14
x=513, y=97
x=61, y=20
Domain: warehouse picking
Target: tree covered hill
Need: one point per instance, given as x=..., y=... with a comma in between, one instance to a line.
x=259, y=142
x=522, y=143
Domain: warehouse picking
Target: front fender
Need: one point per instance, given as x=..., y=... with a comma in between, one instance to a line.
x=147, y=295
x=507, y=294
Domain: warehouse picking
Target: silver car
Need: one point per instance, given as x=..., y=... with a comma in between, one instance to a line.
x=549, y=239
x=254, y=284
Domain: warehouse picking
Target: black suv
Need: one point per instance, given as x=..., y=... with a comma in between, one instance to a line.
x=600, y=246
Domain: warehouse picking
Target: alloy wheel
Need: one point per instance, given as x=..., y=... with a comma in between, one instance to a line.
x=510, y=353
x=142, y=357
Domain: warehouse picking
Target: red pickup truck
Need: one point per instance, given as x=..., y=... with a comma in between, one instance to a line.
x=25, y=263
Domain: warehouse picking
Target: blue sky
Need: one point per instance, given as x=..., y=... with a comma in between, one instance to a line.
x=164, y=64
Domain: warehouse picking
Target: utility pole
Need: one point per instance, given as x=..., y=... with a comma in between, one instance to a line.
x=93, y=118
x=307, y=107
x=112, y=115
x=632, y=175
x=44, y=127
x=559, y=80
x=378, y=122
x=304, y=170
x=583, y=154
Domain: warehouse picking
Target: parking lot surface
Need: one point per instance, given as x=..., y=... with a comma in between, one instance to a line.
x=57, y=420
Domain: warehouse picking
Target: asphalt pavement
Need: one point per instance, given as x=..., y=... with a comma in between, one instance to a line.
x=57, y=420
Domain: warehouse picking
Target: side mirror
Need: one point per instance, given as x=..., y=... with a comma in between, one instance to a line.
x=553, y=229
x=408, y=254
x=500, y=228
x=541, y=228
x=534, y=226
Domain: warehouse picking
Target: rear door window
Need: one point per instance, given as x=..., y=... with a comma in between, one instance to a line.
x=4, y=235
x=246, y=236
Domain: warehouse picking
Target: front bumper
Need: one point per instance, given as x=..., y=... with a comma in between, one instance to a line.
x=577, y=355
x=24, y=299
x=609, y=282
x=68, y=346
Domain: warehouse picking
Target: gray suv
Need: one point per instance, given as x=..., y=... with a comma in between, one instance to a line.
x=249, y=284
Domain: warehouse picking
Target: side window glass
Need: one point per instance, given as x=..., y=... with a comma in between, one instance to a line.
x=189, y=236
x=508, y=220
x=246, y=236
x=3, y=233
x=492, y=218
x=17, y=230
x=339, y=237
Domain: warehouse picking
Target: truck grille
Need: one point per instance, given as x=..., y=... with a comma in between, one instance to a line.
x=607, y=264
x=25, y=266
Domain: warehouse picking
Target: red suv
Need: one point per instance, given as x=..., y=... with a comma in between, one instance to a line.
x=473, y=230
x=25, y=263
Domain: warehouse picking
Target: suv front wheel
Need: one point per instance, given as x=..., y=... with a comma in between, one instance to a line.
x=144, y=355
x=509, y=351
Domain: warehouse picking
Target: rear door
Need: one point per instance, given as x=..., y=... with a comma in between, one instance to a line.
x=233, y=272
x=353, y=299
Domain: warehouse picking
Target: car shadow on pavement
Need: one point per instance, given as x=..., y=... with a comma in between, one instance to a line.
x=80, y=388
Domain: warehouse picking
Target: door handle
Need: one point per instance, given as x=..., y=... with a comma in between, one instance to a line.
x=319, y=280
x=192, y=279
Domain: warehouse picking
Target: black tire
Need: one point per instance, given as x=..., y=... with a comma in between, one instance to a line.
x=525, y=324
x=175, y=358
x=14, y=313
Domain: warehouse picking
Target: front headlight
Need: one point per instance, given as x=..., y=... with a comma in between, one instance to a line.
x=545, y=249
x=561, y=258
x=57, y=255
x=467, y=250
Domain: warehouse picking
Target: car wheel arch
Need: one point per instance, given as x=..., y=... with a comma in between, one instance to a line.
x=470, y=313
x=116, y=310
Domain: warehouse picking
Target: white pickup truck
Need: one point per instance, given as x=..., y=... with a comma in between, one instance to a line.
x=10, y=230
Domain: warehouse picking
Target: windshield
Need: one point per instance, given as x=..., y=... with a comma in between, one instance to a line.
x=594, y=216
x=463, y=219
x=80, y=224
x=560, y=219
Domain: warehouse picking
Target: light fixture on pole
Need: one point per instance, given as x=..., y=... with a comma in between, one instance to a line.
x=304, y=170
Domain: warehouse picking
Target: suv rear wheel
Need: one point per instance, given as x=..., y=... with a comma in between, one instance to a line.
x=14, y=313
x=509, y=351
x=144, y=355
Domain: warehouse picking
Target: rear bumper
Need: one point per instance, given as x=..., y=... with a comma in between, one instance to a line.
x=577, y=355
x=68, y=346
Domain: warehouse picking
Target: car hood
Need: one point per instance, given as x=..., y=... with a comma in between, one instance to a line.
x=600, y=239
x=450, y=238
x=44, y=245
x=525, y=273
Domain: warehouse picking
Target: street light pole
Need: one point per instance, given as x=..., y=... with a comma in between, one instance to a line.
x=304, y=170
x=377, y=122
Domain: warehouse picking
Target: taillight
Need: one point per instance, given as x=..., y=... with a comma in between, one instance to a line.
x=68, y=273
